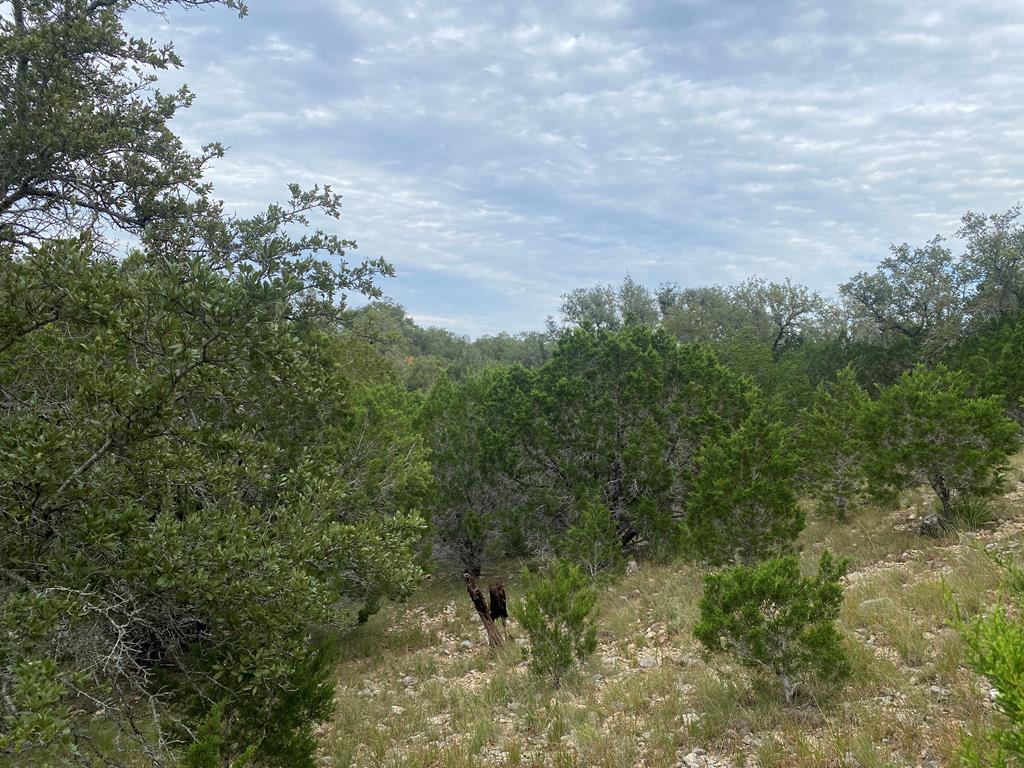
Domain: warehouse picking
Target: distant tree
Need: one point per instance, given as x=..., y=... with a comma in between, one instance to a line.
x=770, y=617
x=595, y=307
x=557, y=614
x=925, y=428
x=637, y=305
x=780, y=311
x=832, y=445
x=742, y=506
x=916, y=293
x=993, y=263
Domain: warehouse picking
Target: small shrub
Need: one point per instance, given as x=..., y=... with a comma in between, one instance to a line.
x=770, y=617
x=593, y=542
x=995, y=648
x=557, y=613
x=971, y=512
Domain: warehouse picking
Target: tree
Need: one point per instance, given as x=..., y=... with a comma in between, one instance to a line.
x=926, y=429
x=462, y=426
x=991, y=359
x=916, y=293
x=770, y=617
x=832, y=445
x=622, y=414
x=742, y=506
x=557, y=614
x=190, y=511
x=993, y=263
x=782, y=311
x=86, y=144
x=185, y=508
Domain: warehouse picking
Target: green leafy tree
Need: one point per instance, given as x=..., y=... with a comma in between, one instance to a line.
x=832, y=446
x=992, y=360
x=768, y=616
x=915, y=293
x=85, y=143
x=461, y=422
x=993, y=262
x=623, y=413
x=186, y=501
x=557, y=614
x=925, y=428
x=742, y=506
x=191, y=507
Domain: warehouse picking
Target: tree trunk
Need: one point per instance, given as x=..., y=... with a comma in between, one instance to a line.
x=788, y=686
x=938, y=484
x=494, y=638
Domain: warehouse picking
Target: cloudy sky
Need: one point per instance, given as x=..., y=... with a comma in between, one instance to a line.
x=501, y=153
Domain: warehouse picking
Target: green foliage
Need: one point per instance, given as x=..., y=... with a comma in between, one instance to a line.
x=461, y=422
x=85, y=143
x=995, y=647
x=768, y=616
x=926, y=429
x=188, y=494
x=557, y=614
x=992, y=360
x=742, y=506
x=832, y=447
x=593, y=543
x=623, y=412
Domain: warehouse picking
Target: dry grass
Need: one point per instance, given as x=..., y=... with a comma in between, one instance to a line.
x=413, y=693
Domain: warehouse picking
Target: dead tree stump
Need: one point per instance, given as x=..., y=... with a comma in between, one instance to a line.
x=494, y=638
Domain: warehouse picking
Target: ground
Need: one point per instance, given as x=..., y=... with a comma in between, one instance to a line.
x=417, y=685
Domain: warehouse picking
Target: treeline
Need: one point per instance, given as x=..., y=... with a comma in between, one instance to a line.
x=212, y=467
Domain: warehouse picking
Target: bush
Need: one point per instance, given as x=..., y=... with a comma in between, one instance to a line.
x=770, y=617
x=971, y=512
x=557, y=613
x=593, y=542
x=925, y=429
x=743, y=506
x=995, y=648
x=832, y=446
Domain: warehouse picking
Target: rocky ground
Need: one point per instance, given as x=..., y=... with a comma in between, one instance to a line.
x=419, y=687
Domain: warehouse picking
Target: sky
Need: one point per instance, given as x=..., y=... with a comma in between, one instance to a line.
x=500, y=154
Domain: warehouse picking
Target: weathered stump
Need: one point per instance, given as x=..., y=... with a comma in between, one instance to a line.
x=494, y=638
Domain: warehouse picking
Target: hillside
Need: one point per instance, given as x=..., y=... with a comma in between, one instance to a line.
x=418, y=686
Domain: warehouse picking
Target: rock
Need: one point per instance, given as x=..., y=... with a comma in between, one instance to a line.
x=689, y=718
x=875, y=603
x=930, y=525
x=646, y=661
x=408, y=681
x=695, y=759
x=397, y=710
x=467, y=644
x=632, y=567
